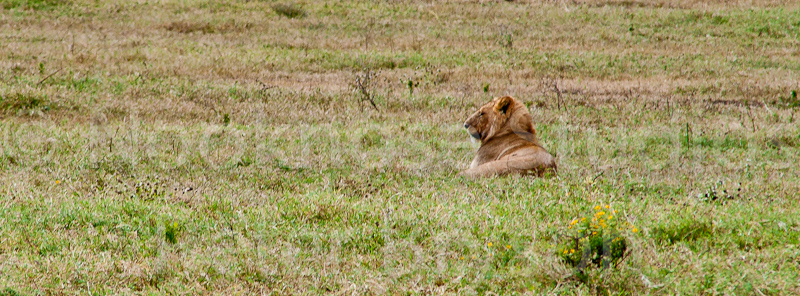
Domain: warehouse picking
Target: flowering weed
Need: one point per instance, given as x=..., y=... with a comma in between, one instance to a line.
x=596, y=240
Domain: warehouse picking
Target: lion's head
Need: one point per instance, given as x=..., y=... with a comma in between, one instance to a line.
x=499, y=117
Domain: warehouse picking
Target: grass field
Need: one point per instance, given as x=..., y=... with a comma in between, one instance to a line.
x=225, y=147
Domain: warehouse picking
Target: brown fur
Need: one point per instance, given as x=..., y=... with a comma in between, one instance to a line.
x=508, y=141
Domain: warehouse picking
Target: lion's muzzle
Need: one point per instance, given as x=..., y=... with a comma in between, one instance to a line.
x=472, y=131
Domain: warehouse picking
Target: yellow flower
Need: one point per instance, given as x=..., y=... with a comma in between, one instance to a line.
x=572, y=250
x=607, y=206
x=489, y=244
x=570, y=227
x=462, y=257
x=573, y=222
x=565, y=251
x=610, y=217
x=583, y=219
x=595, y=232
x=58, y=181
x=508, y=247
x=597, y=208
x=615, y=211
x=635, y=230
x=601, y=213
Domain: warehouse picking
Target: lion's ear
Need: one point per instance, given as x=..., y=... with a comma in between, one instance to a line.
x=503, y=104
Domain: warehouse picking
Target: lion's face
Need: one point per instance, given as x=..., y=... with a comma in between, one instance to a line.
x=490, y=119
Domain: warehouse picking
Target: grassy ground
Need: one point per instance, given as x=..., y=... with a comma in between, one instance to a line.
x=191, y=147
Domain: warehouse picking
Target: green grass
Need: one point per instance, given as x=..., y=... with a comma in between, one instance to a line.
x=218, y=147
x=34, y=4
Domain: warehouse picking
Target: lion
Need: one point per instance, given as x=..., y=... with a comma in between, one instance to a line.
x=508, y=141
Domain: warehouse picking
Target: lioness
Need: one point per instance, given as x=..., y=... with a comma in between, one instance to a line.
x=508, y=141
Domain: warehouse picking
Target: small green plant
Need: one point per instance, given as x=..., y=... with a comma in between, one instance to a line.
x=171, y=232
x=790, y=101
x=502, y=254
x=506, y=38
x=486, y=87
x=595, y=241
x=289, y=10
x=8, y=292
